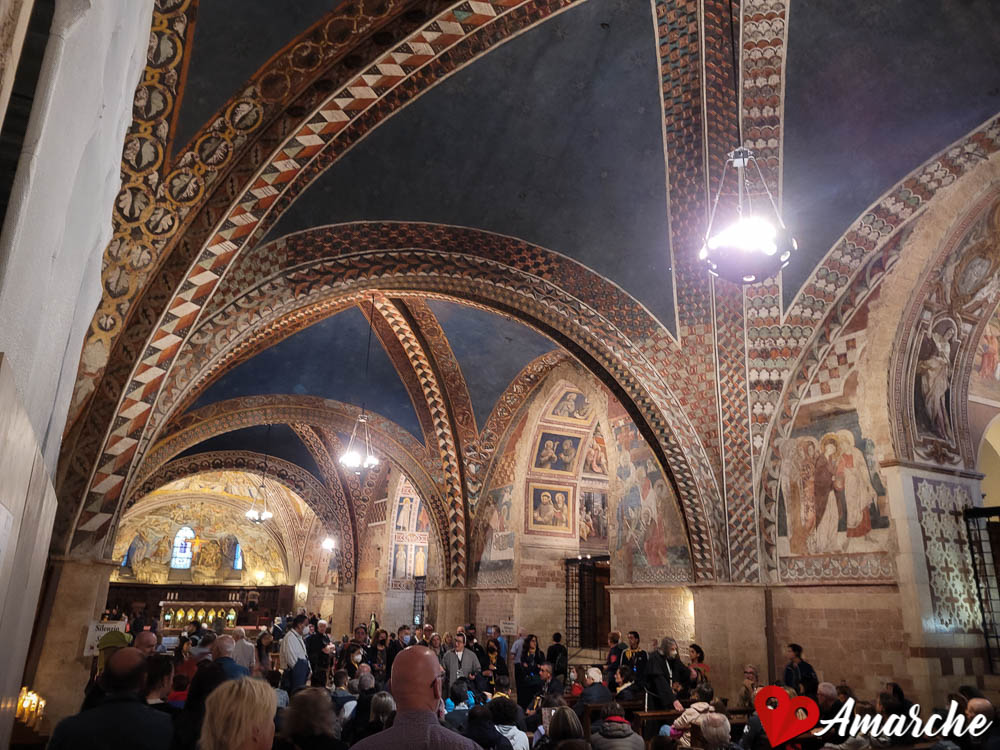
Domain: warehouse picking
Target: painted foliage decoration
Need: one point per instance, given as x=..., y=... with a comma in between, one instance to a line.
x=831, y=498
x=647, y=538
x=411, y=525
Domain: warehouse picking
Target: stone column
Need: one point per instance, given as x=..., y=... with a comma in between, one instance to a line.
x=447, y=607
x=941, y=618
x=730, y=625
x=76, y=594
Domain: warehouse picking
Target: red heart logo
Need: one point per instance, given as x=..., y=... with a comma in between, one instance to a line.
x=779, y=722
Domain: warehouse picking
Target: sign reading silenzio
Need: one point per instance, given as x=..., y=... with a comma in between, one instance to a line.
x=98, y=629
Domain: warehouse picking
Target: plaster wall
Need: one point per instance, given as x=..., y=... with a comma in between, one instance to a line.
x=58, y=221
x=27, y=508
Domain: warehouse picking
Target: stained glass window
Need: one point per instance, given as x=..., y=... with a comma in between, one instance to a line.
x=183, y=549
x=238, y=558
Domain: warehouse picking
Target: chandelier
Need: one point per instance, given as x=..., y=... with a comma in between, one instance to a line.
x=328, y=544
x=757, y=244
x=260, y=515
x=352, y=458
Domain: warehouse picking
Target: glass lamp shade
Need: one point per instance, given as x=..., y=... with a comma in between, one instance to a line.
x=748, y=251
x=328, y=544
x=351, y=459
x=371, y=461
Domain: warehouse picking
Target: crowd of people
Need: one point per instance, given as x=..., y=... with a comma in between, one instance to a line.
x=421, y=689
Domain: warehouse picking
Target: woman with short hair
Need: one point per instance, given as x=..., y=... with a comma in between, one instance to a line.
x=239, y=715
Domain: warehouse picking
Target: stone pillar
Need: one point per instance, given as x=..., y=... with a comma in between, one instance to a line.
x=13, y=28
x=654, y=612
x=447, y=607
x=730, y=625
x=941, y=617
x=76, y=594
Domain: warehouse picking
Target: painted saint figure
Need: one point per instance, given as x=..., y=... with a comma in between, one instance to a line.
x=935, y=380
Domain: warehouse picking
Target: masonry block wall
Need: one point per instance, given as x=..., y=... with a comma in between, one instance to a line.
x=491, y=606
x=852, y=634
x=729, y=624
x=541, y=606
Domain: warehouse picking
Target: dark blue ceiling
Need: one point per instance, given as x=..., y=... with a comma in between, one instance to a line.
x=281, y=442
x=490, y=349
x=873, y=90
x=555, y=137
x=327, y=360
x=232, y=40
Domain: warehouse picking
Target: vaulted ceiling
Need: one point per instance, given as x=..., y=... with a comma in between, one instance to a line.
x=572, y=136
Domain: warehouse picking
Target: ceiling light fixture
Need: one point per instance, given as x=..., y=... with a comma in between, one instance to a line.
x=352, y=457
x=255, y=515
x=757, y=244
x=328, y=544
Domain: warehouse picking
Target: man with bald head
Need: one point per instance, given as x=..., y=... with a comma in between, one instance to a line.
x=122, y=718
x=990, y=740
x=222, y=655
x=416, y=687
x=146, y=642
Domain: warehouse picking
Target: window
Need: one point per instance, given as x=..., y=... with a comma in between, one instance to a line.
x=183, y=549
x=238, y=558
x=130, y=553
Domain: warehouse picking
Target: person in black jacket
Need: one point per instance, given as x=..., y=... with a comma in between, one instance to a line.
x=799, y=674
x=526, y=672
x=397, y=644
x=626, y=688
x=635, y=659
x=663, y=669
x=122, y=718
x=558, y=656
x=594, y=692
x=494, y=667
x=481, y=728
x=550, y=686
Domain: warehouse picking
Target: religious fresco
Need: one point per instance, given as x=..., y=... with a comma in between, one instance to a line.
x=239, y=484
x=572, y=407
x=551, y=509
x=596, y=460
x=593, y=520
x=557, y=453
x=494, y=540
x=831, y=498
x=647, y=537
x=985, y=381
x=148, y=539
x=411, y=525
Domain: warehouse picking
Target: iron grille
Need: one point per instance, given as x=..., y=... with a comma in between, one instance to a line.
x=572, y=604
x=584, y=599
x=419, y=594
x=983, y=527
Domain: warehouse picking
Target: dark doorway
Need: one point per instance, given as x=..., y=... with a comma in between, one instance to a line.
x=588, y=601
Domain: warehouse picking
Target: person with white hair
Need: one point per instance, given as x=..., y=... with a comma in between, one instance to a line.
x=829, y=706
x=716, y=731
x=223, y=649
x=244, y=652
x=594, y=691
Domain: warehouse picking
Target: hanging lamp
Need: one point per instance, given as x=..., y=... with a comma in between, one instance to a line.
x=260, y=515
x=352, y=458
x=757, y=244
